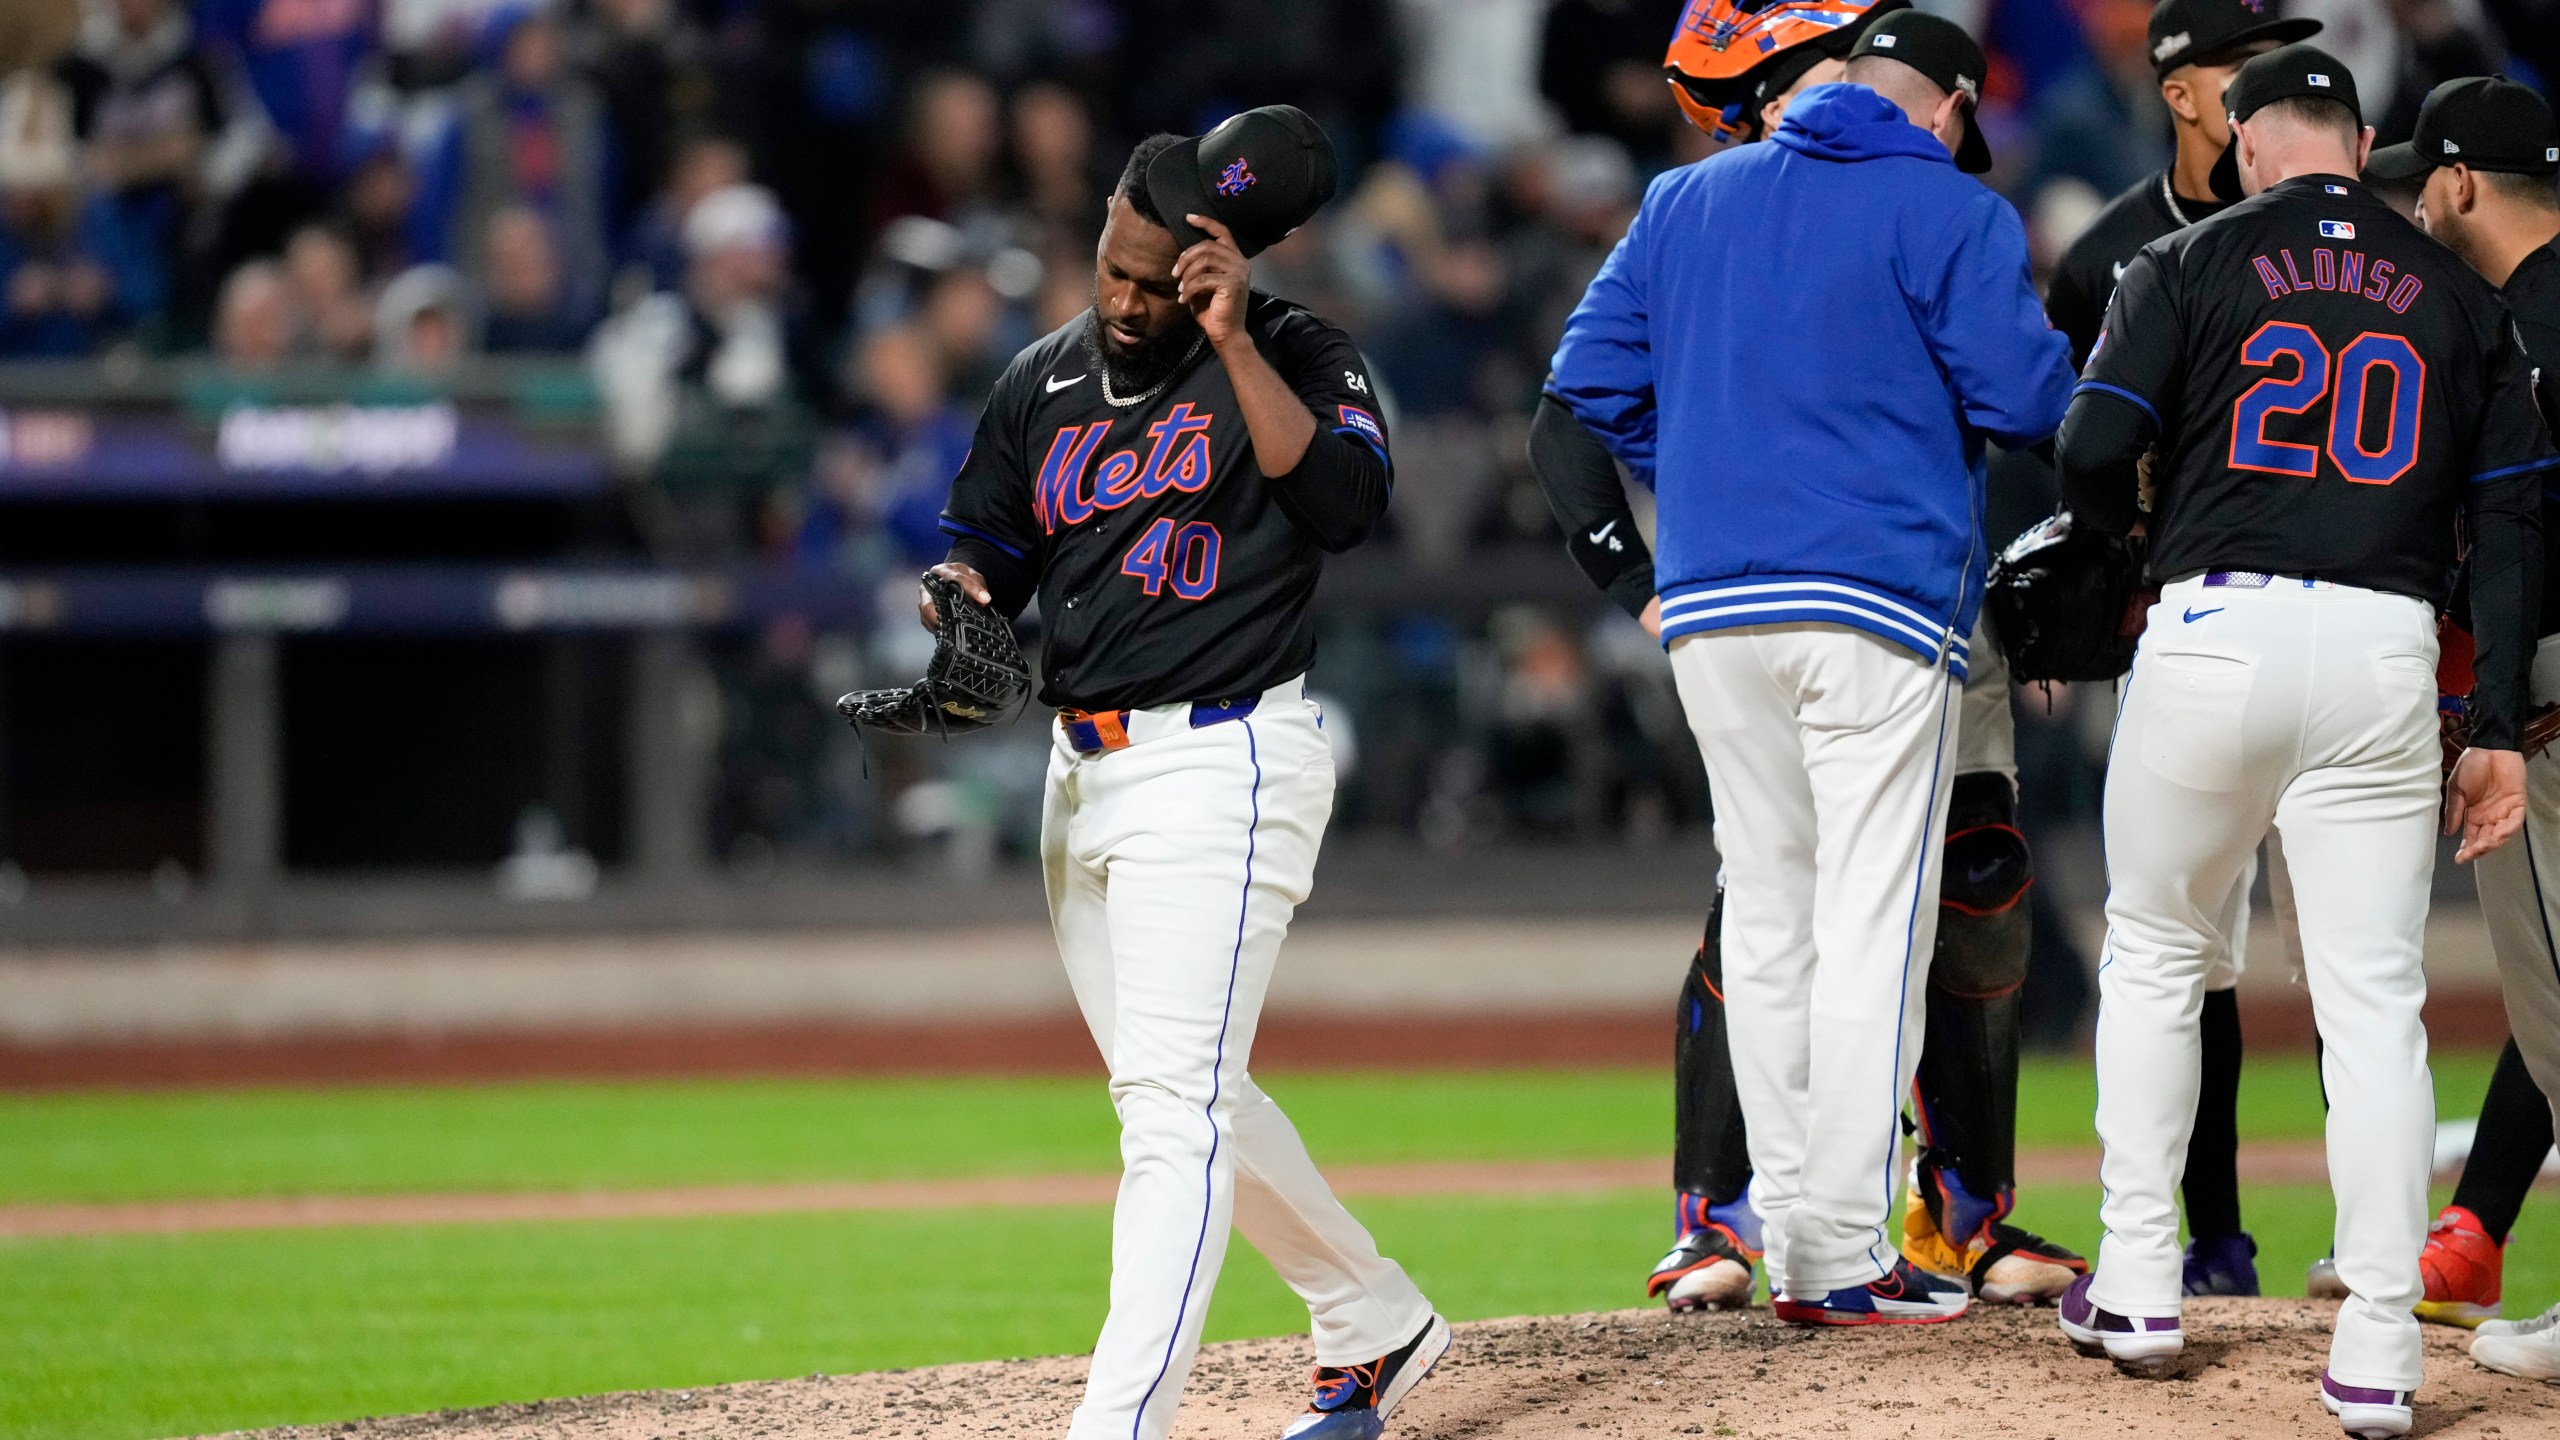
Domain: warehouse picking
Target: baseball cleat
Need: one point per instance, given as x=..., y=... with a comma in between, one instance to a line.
x=1907, y=1295
x=2463, y=1268
x=2144, y=1345
x=2321, y=1281
x=1709, y=1267
x=2526, y=1349
x=2221, y=1265
x=1353, y=1402
x=2365, y=1413
x=2003, y=1264
x=1706, y=1270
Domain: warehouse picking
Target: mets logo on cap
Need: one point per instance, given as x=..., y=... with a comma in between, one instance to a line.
x=1236, y=179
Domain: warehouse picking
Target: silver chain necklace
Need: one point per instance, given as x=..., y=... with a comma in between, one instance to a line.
x=2170, y=197
x=1170, y=376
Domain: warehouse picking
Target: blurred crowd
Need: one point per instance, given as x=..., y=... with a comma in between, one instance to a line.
x=794, y=242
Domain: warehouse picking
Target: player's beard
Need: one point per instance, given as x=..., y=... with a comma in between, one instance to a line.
x=1135, y=372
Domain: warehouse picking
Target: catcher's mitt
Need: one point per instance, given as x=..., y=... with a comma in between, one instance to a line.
x=977, y=673
x=2453, y=728
x=2067, y=603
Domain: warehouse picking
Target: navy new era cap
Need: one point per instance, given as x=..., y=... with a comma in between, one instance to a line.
x=1261, y=174
x=2482, y=121
x=1940, y=50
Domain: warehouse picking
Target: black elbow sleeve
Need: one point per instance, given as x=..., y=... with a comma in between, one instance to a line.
x=2098, y=453
x=1581, y=482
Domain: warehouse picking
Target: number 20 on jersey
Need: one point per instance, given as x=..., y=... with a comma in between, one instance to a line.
x=2346, y=382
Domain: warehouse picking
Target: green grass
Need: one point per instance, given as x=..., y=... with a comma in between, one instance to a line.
x=138, y=1336
x=135, y=1337
x=98, y=1147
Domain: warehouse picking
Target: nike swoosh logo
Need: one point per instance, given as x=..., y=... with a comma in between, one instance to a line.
x=1982, y=873
x=1056, y=385
x=1603, y=532
x=2195, y=615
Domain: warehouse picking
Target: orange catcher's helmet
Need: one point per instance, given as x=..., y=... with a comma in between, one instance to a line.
x=1720, y=44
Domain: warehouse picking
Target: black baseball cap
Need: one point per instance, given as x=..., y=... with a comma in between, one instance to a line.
x=1261, y=174
x=2186, y=31
x=2484, y=122
x=1942, y=51
x=2296, y=71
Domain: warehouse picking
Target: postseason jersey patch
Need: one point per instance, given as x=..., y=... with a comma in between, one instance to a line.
x=1361, y=423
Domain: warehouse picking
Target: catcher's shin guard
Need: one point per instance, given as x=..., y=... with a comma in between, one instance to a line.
x=1709, y=1156
x=1967, y=1082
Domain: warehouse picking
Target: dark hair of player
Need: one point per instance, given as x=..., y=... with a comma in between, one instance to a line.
x=2313, y=113
x=1133, y=177
x=2537, y=191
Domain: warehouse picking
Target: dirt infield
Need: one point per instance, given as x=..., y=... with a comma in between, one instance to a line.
x=2250, y=1371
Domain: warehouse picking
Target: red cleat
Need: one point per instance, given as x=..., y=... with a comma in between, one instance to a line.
x=2462, y=1266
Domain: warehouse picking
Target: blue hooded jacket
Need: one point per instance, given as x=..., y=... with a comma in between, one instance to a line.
x=1801, y=348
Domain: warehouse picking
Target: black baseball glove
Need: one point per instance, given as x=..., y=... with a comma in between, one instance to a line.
x=977, y=673
x=2067, y=602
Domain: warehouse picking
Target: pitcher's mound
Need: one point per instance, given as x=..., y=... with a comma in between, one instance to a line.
x=2250, y=1373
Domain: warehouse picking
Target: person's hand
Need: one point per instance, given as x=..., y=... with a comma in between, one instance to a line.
x=1215, y=280
x=2484, y=800
x=1651, y=619
x=966, y=577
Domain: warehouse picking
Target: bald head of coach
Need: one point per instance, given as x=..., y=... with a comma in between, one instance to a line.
x=1805, y=348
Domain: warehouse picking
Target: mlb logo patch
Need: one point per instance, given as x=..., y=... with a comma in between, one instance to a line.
x=2316, y=78
x=2335, y=189
x=1355, y=418
x=1885, y=42
x=2337, y=230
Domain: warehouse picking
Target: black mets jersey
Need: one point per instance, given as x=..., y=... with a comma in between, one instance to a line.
x=2333, y=394
x=1169, y=567
x=2075, y=300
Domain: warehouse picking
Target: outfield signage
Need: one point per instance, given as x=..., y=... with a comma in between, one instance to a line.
x=417, y=600
x=426, y=450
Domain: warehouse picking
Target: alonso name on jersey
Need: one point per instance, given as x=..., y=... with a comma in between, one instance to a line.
x=1168, y=566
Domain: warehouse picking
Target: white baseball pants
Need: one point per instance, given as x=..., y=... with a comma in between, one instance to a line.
x=1173, y=867
x=2312, y=710
x=2520, y=898
x=1829, y=753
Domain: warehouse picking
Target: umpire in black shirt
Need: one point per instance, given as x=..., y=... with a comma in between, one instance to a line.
x=2332, y=396
x=2487, y=152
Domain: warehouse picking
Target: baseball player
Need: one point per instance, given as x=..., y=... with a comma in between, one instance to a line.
x=2195, y=46
x=1820, y=572
x=1166, y=473
x=1966, y=1086
x=2488, y=151
x=2330, y=392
